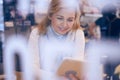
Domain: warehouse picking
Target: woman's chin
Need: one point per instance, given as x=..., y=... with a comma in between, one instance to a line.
x=62, y=33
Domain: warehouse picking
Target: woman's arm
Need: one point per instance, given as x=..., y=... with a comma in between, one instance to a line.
x=34, y=48
x=79, y=45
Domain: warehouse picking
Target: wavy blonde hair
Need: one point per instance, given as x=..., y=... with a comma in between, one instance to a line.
x=55, y=6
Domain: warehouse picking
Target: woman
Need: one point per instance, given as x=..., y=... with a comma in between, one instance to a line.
x=58, y=36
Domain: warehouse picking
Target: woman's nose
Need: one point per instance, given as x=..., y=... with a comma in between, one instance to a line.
x=64, y=23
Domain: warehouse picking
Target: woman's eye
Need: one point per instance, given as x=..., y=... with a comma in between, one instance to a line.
x=70, y=20
x=60, y=18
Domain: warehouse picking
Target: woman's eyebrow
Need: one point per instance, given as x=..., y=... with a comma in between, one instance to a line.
x=63, y=16
x=59, y=15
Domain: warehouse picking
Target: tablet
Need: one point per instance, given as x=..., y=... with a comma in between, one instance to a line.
x=71, y=66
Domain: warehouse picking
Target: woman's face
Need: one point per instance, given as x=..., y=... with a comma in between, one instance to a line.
x=62, y=21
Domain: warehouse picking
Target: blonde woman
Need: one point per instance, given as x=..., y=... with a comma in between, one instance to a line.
x=58, y=36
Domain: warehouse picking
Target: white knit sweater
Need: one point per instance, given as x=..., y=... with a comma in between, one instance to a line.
x=48, y=51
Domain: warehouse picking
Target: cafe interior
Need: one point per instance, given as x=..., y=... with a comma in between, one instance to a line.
x=102, y=39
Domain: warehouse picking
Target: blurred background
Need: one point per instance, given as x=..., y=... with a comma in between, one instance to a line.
x=16, y=18
x=100, y=20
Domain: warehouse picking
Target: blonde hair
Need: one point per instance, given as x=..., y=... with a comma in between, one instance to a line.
x=54, y=7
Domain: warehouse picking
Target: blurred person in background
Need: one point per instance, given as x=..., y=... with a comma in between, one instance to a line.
x=12, y=14
x=60, y=26
x=108, y=23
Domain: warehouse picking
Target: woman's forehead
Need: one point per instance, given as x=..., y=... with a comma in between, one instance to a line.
x=66, y=12
x=69, y=3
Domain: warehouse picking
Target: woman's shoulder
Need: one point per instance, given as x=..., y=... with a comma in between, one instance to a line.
x=35, y=31
x=80, y=31
x=34, y=34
